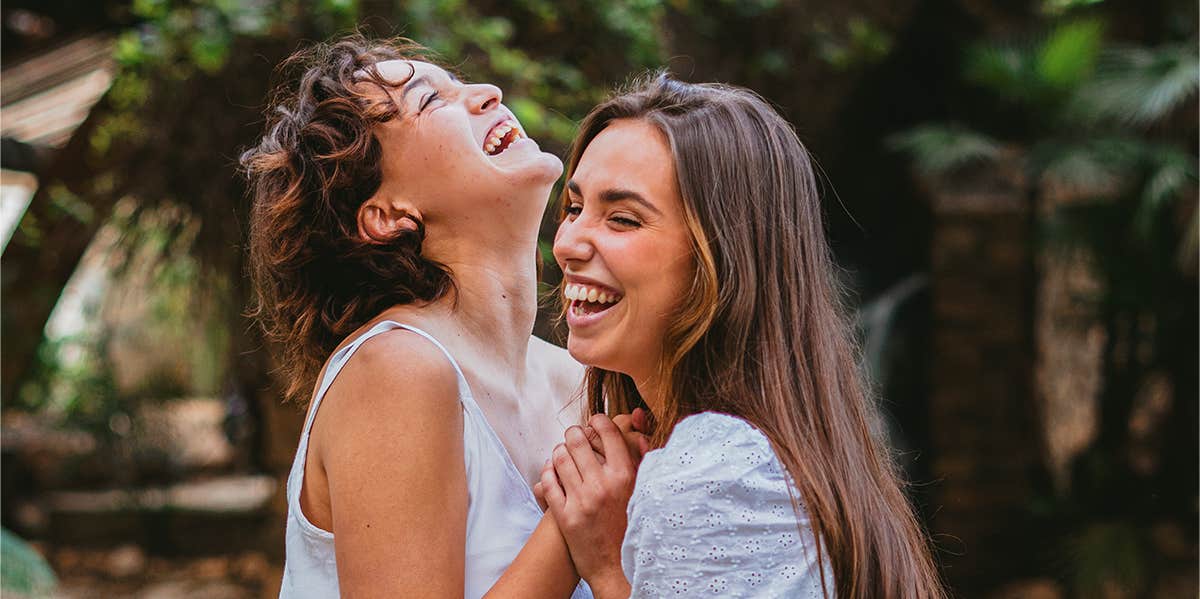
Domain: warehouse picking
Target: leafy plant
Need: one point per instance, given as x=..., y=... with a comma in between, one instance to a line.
x=1106, y=126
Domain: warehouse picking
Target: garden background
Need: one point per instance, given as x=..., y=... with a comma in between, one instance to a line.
x=1011, y=188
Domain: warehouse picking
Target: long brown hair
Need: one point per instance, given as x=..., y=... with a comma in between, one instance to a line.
x=315, y=278
x=762, y=333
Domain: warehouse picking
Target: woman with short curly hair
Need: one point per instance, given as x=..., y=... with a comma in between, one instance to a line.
x=393, y=243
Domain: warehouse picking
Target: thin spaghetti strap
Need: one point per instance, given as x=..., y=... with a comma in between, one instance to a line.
x=336, y=363
x=462, y=379
x=342, y=356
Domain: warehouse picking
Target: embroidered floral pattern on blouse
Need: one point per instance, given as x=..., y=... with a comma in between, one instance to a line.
x=711, y=516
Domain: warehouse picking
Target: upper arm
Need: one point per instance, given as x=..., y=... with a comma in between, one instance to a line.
x=392, y=449
x=716, y=518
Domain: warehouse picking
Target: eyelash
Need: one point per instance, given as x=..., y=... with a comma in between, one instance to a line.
x=428, y=99
x=575, y=210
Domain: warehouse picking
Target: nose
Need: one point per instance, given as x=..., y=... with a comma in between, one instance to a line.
x=482, y=97
x=572, y=244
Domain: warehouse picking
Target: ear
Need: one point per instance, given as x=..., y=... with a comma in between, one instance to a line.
x=380, y=220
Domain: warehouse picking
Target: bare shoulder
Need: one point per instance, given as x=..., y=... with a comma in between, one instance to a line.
x=565, y=374
x=392, y=451
x=394, y=374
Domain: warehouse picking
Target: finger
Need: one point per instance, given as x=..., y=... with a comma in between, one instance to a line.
x=643, y=445
x=616, y=452
x=581, y=452
x=638, y=445
x=594, y=438
x=641, y=421
x=553, y=493
x=565, y=470
x=623, y=422
x=539, y=494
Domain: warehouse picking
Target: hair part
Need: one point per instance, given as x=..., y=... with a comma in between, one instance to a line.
x=763, y=335
x=316, y=279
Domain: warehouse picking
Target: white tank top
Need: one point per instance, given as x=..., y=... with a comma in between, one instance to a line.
x=501, y=512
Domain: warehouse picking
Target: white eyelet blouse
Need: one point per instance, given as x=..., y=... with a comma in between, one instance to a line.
x=711, y=516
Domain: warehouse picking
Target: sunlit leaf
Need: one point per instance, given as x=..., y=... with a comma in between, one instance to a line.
x=1070, y=53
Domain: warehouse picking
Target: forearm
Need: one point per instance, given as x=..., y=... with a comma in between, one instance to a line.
x=611, y=586
x=543, y=568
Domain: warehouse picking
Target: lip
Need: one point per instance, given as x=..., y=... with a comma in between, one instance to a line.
x=504, y=119
x=577, y=322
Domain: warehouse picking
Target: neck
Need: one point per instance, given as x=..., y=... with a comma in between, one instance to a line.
x=495, y=296
x=651, y=390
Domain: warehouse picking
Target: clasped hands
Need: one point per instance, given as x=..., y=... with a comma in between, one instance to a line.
x=586, y=485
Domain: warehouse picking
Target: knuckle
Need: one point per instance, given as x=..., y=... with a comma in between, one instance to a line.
x=577, y=440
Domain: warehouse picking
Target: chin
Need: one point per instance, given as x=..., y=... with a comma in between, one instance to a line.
x=589, y=355
x=532, y=167
x=546, y=167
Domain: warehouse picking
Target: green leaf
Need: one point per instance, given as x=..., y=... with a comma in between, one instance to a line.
x=941, y=149
x=1103, y=166
x=1140, y=86
x=128, y=51
x=210, y=50
x=1068, y=57
x=1000, y=68
x=1172, y=172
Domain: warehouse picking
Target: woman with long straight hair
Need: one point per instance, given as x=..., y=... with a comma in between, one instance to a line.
x=699, y=285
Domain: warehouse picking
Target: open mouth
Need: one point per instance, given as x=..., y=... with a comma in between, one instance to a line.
x=502, y=136
x=587, y=300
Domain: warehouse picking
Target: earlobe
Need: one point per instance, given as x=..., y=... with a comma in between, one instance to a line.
x=380, y=222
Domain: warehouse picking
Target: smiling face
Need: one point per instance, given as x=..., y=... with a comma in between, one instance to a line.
x=624, y=249
x=456, y=149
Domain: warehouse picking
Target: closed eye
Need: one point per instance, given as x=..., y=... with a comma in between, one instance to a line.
x=427, y=100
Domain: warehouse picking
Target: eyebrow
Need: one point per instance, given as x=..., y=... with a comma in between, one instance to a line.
x=415, y=83
x=615, y=195
x=424, y=80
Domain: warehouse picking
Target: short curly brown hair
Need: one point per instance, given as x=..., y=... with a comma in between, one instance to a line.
x=315, y=278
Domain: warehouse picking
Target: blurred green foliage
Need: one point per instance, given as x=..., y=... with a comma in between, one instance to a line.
x=177, y=228
x=1106, y=132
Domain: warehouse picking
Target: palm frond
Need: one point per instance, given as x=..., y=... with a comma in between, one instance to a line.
x=939, y=149
x=1004, y=69
x=1171, y=172
x=1140, y=86
x=1100, y=167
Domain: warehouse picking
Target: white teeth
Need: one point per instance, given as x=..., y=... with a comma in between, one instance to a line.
x=586, y=294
